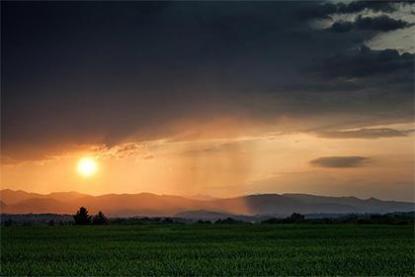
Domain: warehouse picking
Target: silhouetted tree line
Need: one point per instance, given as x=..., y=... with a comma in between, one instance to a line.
x=147, y=220
x=390, y=218
x=31, y=219
x=229, y=220
x=83, y=218
x=294, y=218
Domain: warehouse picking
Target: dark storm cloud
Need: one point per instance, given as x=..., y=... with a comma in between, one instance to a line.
x=340, y=162
x=364, y=62
x=379, y=23
x=358, y=6
x=102, y=73
x=364, y=133
x=323, y=10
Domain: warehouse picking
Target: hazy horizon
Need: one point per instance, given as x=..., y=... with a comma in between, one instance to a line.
x=203, y=196
x=148, y=204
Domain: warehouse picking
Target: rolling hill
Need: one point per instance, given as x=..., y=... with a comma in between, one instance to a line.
x=147, y=204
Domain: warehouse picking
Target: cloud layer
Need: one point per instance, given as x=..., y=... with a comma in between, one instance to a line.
x=379, y=23
x=110, y=73
x=340, y=161
x=365, y=133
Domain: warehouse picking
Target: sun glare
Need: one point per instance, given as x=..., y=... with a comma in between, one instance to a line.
x=87, y=167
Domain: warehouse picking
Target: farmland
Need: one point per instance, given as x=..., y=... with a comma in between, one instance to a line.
x=208, y=249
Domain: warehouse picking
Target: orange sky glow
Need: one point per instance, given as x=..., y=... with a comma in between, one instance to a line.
x=228, y=166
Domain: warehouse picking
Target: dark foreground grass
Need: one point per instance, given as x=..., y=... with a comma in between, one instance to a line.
x=208, y=250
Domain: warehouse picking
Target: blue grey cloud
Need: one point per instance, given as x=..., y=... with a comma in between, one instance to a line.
x=366, y=133
x=378, y=23
x=340, y=161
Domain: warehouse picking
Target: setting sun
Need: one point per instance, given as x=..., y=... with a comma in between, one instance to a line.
x=87, y=167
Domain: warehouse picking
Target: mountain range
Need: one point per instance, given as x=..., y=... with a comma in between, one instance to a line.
x=148, y=204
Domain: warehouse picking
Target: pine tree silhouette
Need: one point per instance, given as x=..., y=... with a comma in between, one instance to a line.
x=81, y=217
x=100, y=219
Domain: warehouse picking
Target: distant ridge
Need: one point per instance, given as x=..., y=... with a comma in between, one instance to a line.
x=148, y=204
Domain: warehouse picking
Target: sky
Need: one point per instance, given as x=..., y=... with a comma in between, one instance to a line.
x=209, y=98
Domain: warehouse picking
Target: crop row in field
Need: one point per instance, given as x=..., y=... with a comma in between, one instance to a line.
x=208, y=250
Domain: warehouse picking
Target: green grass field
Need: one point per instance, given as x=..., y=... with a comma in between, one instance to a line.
x=208, y=250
